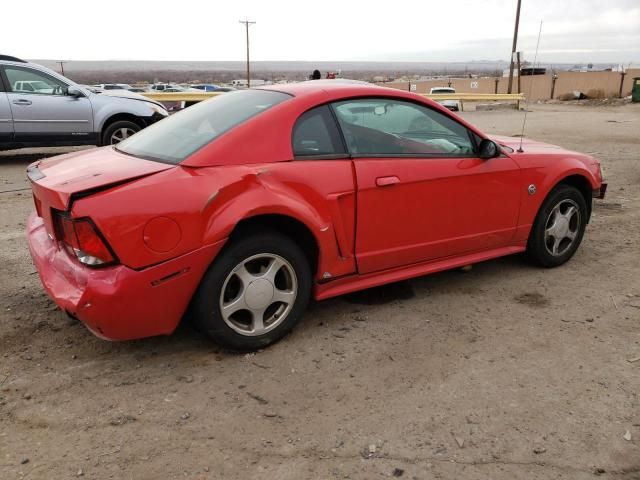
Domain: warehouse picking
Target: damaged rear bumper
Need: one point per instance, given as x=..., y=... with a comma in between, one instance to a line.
x=118, y=303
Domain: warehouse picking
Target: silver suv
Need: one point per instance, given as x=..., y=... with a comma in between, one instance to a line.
x=38, y=107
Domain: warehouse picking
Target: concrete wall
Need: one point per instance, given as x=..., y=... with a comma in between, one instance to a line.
x=536, y=87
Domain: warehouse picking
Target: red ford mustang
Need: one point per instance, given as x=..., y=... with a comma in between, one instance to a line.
x=240, y=208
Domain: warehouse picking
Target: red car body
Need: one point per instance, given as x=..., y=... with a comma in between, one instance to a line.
x=367, y=221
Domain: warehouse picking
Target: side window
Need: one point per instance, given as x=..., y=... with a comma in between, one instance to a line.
x=23, y=80
x=380, y=126
x=316, y=133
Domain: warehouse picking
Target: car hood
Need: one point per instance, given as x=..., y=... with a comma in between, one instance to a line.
x=514, y=143
x=128, y=94
x=55, y=180
x=532, y=147
x=528, y=145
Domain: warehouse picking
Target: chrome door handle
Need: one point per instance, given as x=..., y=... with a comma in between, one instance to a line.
x=22, y=101
x=387, y=181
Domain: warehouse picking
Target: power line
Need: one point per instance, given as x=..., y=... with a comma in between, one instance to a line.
x=247, y=23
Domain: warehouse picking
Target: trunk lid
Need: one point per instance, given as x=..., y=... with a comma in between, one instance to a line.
x=56, y=180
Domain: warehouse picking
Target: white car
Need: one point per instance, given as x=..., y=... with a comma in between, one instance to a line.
x=452, y=105
x=171, y=88
x=113, y=86
x=32, y=86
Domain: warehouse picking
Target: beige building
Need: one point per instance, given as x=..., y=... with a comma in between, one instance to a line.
x=536, y=87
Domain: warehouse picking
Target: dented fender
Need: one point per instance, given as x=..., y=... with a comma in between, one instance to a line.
x=267, y=191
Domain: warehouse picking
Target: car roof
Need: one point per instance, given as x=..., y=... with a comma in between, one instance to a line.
x=9, y=58
x=336, y=89
x=270, y=132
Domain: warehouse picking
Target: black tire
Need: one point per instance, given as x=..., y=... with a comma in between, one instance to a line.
x=206, y=311
x=539, y=249
x=115, y=127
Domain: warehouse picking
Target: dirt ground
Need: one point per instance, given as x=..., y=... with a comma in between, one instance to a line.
x=506, y=372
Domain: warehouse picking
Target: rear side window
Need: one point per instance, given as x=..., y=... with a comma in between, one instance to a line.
x=316, y=134
x=173, y=139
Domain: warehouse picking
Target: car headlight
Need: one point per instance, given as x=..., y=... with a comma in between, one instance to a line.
x=160, y=110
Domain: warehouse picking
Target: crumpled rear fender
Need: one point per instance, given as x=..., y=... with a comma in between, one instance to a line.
x=259, y=192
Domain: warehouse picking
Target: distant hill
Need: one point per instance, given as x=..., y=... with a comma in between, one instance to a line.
x=289, y=66
x=145, y=71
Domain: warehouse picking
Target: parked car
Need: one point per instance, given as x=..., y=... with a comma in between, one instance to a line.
x=158, y=87
x=453, y=105
x=113, y=86
x=170, y=88
x=206, y=87
x=32, y=86
x=38, y=107
x=242, y=207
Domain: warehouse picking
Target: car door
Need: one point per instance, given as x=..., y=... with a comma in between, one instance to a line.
x=42, y=111
x=423, y=192
x=6, y=121
x=323, y=173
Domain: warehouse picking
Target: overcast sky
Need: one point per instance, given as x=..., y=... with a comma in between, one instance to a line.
x=406, y=30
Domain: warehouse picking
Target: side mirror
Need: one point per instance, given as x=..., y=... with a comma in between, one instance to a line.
x=74, y=92
x=488, y=149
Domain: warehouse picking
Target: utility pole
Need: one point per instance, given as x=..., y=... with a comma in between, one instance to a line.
x=520, y=71
x=62, y=66
x=513, y=48
x=247, y=23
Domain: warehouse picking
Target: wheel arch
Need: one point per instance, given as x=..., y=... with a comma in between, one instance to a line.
x=583, y=185
x=287, y=225
x=258, y=197
x=117, y=117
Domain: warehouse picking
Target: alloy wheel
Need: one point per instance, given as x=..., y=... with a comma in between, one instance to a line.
x=121, y=134
x=258, y=294
x=562, y=227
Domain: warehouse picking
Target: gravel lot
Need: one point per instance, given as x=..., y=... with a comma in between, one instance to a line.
x=505, y=372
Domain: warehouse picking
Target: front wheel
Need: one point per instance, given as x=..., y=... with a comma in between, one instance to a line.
x=254, y=293
x=119, y=131
x=559, y=227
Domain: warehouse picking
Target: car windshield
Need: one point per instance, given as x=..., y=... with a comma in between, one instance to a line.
x=173, y=139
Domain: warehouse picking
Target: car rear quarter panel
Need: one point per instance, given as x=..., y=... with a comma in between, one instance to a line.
x=207, y=204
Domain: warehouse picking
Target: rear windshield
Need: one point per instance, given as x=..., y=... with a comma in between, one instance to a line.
x=175, y=138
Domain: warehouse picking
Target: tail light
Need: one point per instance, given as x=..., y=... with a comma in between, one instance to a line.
x=82, y=239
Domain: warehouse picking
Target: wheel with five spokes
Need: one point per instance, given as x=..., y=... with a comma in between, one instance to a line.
x=559, y=226
x=254, y=293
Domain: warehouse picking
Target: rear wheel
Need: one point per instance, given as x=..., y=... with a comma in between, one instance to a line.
x=559, y=227
x=119, y=131
x=254, y=293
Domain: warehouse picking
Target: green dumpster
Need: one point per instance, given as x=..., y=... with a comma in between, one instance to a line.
x=635, y=90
